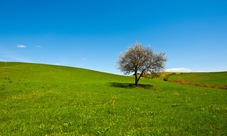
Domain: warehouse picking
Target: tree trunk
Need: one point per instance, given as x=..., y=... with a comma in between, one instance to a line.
x=136, y=78
x=136, y=82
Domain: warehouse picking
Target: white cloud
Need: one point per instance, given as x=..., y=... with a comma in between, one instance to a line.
x=178, y=70
x=38, y=46
x=21, y=46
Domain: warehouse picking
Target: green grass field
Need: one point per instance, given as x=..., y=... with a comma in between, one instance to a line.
x=38, y=99
x=211, y=79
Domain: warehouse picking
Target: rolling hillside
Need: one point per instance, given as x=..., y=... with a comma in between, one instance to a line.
x=207, y=79
x=38, y=99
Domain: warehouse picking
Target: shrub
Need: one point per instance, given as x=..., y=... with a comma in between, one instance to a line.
x=181, y=81
x=198, y=84
x=220, y=87
x=166, y=77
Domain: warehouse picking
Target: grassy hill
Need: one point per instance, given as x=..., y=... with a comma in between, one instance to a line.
x=211, y=79
x=38, y=99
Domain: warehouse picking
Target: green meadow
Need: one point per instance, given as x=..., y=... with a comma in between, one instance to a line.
x=38, y=99
x=208, y=79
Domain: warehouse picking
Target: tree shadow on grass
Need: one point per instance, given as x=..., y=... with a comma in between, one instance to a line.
x=130, y=86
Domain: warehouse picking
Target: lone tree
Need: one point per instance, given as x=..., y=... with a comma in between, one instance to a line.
x=139, y=60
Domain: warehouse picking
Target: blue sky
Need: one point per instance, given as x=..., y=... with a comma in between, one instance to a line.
x=92, y=33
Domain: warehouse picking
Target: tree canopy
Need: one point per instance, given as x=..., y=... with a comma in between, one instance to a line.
x=141, y=60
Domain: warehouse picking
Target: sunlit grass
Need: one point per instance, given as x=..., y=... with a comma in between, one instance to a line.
x=53, y=100
x=211, y=80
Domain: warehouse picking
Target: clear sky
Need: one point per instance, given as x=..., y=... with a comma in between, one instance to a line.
x=92, y=33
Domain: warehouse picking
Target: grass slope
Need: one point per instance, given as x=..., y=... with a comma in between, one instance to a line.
x=212, y=79
x=40, y=99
